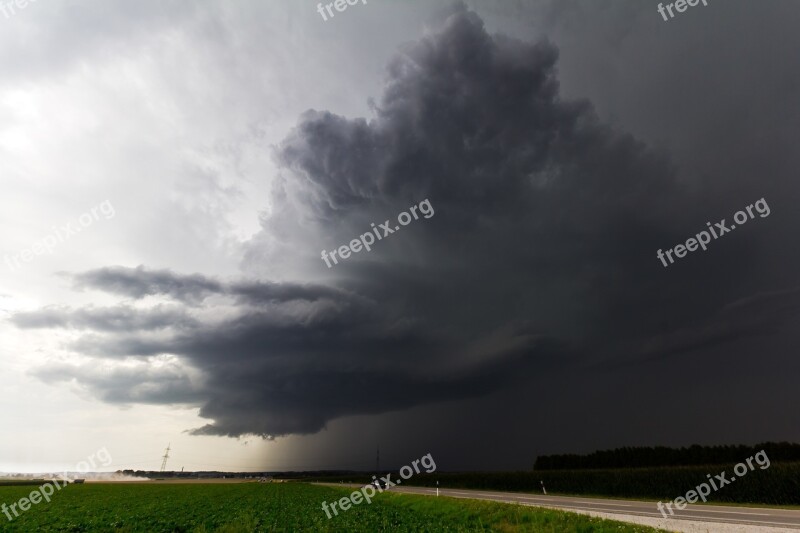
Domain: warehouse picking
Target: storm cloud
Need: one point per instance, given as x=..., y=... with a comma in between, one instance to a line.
x=540, y=258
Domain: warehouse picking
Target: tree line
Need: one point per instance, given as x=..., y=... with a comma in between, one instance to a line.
x=644, y=457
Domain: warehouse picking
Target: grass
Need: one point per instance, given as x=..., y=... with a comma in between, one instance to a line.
x=778, y=485
x=252, y=507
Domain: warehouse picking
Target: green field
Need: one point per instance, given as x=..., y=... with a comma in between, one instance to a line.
x=249, y=507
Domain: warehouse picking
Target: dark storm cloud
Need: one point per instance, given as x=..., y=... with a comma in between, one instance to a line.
x=540, y=256
x=265, y=292
x=307, y=393
x=149, y=384
x=116, y=319
x=138, y=283
x=292, y=365
x=760, y=315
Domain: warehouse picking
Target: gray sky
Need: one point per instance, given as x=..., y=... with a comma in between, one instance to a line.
x=222, y=146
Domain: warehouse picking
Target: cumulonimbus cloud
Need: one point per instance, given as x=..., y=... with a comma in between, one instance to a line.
x=541, y=252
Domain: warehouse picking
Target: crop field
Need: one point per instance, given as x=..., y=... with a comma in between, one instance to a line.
x=250, y=507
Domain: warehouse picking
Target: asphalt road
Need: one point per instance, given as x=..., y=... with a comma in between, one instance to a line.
x=755, y=516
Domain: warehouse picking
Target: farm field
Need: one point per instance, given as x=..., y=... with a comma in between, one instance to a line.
x=251, y=507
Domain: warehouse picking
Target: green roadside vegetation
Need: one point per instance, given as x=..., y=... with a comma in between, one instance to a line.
x=255, y=507
x=777, y=485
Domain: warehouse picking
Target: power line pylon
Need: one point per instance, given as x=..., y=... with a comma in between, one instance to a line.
x=166, y=456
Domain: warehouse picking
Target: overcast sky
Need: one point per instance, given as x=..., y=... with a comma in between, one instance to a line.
x=170, y=173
